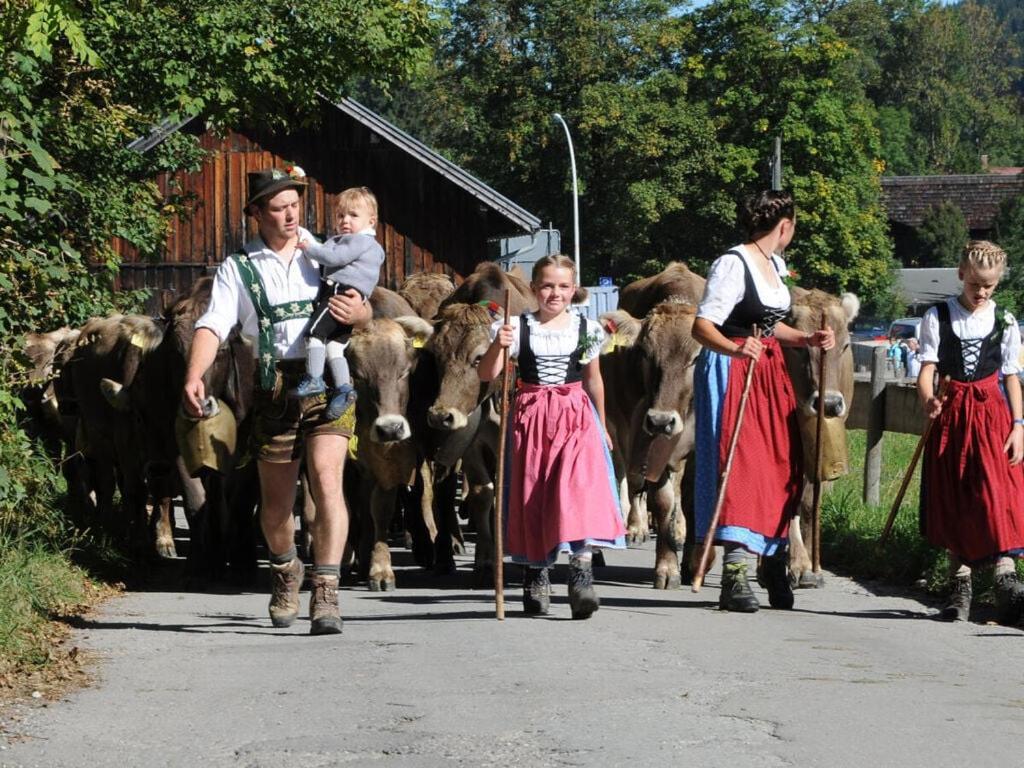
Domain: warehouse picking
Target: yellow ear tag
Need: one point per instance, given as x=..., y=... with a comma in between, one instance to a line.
x=418, y=342
x=138, y=341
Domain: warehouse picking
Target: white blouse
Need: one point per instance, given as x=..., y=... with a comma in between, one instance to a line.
x=726, y=285
x=230, y=303
x=971, y=326
x=556, y=341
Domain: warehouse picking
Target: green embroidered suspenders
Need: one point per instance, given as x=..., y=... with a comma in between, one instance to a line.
x=268, y=315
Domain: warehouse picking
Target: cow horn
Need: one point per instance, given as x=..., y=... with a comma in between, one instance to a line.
x=416, y=328
x=115, y=393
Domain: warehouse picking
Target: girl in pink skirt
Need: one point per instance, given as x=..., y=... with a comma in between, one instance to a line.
x=972, y=481
x=561, y=490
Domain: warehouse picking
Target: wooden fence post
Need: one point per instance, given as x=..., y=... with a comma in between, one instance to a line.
x=876, y=428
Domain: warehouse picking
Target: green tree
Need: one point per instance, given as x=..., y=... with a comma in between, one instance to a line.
x=941, y=236
x=1008, y=232
x=766, y=75
x=946, y=72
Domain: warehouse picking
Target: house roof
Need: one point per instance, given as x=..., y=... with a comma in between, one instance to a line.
x=443, y=166
x=401, y=140
x=928, y=285
x=978, y=195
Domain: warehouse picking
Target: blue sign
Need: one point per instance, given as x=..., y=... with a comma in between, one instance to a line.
x=604, y=281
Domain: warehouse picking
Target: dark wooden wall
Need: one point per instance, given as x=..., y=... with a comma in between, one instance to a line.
x=426, y=222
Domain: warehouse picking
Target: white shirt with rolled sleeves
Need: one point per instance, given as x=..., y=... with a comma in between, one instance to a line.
x=231, y=304
x=971, y=325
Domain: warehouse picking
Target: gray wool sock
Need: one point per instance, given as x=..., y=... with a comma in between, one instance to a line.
x=327, y=570
x=338, y=364
x=285, y=558
x=734, y=554
x=315, y=355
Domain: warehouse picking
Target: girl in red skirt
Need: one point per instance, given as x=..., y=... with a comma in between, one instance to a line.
x=561, y=491
x=972, y=481
x=745, y=289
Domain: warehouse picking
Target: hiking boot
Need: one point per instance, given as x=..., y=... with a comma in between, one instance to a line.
x=310, y=385
x=341, y=398
x=324, y=616
x=736, y=595
x=775, y=572
x=1009, y=598
x=536, y=591
x=959, y=606
x=285, y=581
x=583, y=600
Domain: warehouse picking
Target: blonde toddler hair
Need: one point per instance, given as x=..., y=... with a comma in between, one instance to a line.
x=358, y=195
x=982, y=254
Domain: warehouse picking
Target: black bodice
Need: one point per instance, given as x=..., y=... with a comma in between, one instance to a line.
x=750, y=311
x=967, y=359
x=549, y=369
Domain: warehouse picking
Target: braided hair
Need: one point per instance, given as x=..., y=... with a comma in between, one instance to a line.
x=982, y=254
x=766, y=209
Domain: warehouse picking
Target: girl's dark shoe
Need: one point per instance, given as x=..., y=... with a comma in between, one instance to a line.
x=1009, y=598
x=583, y=600
x=536, y=591
x=959, y=606
x=736, y=595
x=776, y=581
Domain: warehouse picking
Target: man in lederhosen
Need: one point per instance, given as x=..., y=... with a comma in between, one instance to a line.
x=268, y=288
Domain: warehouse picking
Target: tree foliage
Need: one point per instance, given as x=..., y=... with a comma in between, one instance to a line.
x=1008, y=232
x=941, y=236
x=82, y=80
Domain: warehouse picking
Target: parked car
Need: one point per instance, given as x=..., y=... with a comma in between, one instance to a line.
x=906, y=328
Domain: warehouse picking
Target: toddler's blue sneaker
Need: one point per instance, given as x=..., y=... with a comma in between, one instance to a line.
x=341, y=398
x=310, y=385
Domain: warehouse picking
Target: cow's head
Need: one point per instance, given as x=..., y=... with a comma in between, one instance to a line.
x=809, y=307
x=461, y=337
x=425, y=291
x=664, y=354
x=382, y=355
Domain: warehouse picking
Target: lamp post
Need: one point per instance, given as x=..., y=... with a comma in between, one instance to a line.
x=575, y=200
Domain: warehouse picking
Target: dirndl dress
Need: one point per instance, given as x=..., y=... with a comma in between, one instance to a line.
x=972, y=500
x=561, y=494
x=764, y=485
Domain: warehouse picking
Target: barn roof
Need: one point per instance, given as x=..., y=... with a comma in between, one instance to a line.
x=978, y=195
x=401, y=140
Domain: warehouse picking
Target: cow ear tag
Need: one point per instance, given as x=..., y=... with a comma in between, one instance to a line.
x=418, y=342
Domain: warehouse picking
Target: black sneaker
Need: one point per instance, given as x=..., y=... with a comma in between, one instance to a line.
x=959, y=606
x=583, y=600
x=736, y=595
x=536, y=591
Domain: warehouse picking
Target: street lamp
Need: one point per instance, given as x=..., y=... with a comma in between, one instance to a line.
x=575, y=200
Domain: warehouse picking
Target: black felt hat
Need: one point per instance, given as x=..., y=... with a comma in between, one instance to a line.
x=270, y=181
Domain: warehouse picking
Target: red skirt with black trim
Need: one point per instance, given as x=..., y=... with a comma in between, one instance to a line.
x=972, y=500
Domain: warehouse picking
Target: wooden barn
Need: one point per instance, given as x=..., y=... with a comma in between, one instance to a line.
x=434, y=216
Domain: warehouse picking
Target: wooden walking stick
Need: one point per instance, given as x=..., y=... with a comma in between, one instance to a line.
x=499, y=490
x=816, y=503
x=709, y=537
x=910, y=469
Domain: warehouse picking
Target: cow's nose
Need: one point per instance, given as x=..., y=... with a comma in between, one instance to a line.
x=446, y=418
x=835, y=404
x=660, y=423
x=390, y=429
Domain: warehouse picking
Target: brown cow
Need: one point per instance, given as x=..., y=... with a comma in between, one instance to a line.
x=648, y=371
x=463, y=417
x=640, y=297
x=112, y=348
x=425, y=291
x=218, y=500
x=803, y=364
x=383, y=357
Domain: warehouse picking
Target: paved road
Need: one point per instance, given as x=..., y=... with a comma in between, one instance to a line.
x=426, y=677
